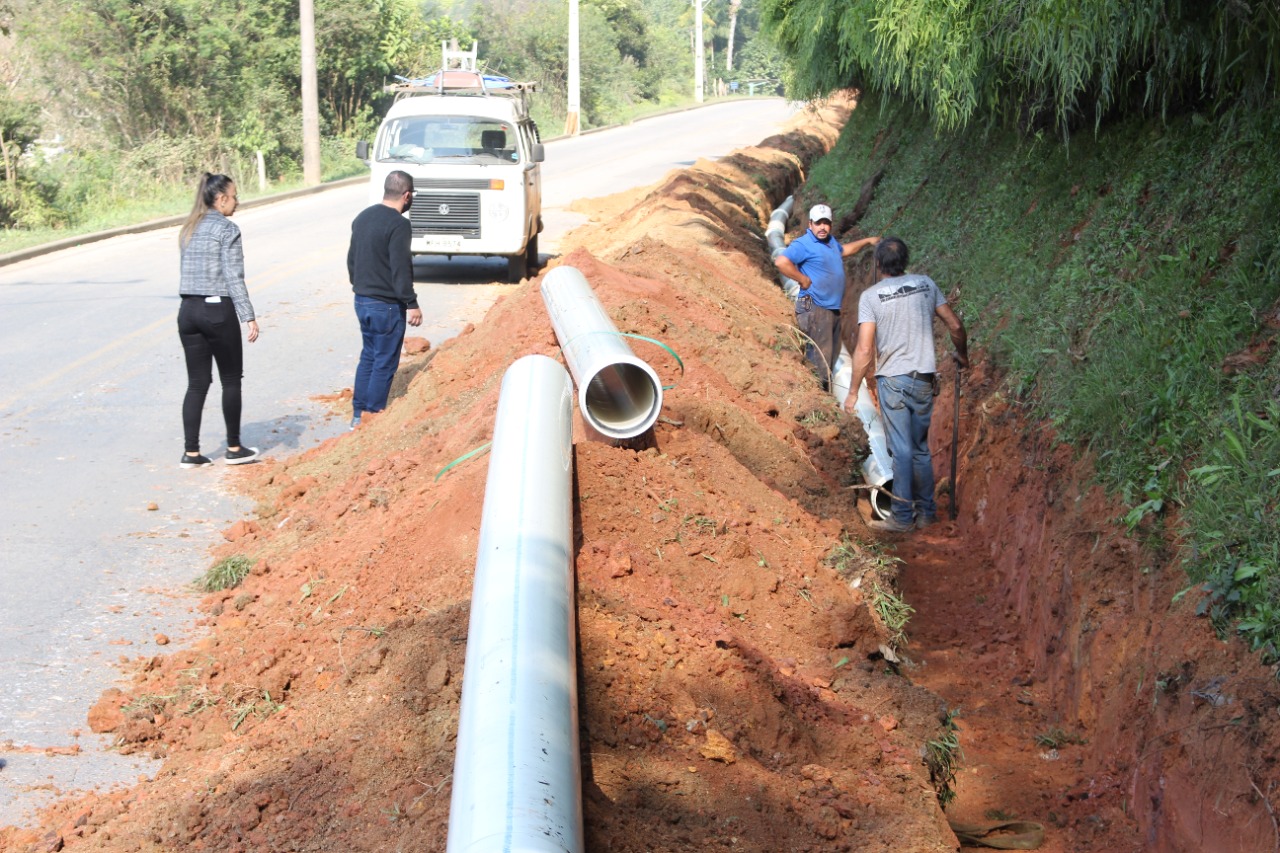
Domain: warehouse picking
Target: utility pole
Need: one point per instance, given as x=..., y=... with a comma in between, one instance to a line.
x=310, y=95
x=571, y=121
x=697, y=51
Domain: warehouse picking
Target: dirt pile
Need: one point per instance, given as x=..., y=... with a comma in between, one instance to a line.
x=734, y=693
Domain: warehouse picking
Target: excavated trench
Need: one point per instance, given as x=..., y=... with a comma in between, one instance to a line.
x=1092, y=698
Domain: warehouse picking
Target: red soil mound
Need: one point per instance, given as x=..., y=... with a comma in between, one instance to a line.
x=733, y=689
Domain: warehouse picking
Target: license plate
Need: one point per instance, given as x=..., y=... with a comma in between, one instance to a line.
x=442, y=244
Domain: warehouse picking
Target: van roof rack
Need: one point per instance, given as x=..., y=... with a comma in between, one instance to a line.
x=458, y=75
x=460, y=83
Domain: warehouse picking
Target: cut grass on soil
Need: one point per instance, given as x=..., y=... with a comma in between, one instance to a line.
x=225, y=574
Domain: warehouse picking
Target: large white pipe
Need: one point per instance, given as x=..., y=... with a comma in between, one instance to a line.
x=877, y=468
x=775, y=234
x=516, y=777
x=619, y=394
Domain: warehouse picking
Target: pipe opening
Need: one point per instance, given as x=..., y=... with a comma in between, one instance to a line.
x=621, y=400
x=881, y=503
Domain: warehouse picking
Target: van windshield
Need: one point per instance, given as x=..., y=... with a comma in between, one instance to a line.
x=463, y=139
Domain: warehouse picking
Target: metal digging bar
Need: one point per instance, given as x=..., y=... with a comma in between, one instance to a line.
x=516, y=774
x=619, y=394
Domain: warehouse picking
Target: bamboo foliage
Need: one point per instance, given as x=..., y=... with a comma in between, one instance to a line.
x=1033, y=62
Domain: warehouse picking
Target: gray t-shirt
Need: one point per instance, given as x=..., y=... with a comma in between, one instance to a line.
x=902, y=309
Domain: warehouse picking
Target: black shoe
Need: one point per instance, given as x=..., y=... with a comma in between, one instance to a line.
x=923, y=521
x=196, y=461
x=241, y=456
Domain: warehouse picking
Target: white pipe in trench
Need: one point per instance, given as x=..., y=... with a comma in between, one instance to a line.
x=516, y=776
x=619, y=394
x=775, y=235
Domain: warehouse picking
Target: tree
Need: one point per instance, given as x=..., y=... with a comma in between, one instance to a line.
x=1050, y=61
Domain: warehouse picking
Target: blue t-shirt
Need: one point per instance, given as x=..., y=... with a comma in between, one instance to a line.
x=823, y=263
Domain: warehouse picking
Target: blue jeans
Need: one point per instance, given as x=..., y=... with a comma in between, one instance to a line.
x=382, y=327
x=907, y=406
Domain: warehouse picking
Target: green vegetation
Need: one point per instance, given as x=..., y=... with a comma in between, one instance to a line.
x=1034, y=64
x=111, y=108
x=248, y=701
x=893, y=611
x=1057, y=737
x=1127, y=288
x=942, y=756
x=225, y=574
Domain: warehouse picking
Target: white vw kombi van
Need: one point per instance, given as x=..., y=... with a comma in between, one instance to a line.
x=473, y=152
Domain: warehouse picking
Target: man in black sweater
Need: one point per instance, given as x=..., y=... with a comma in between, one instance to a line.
x=380, y=267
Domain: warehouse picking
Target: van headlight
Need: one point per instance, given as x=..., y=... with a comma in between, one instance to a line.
x=498, y=210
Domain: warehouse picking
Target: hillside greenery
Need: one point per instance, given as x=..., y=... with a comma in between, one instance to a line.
x=1034, y=64
x=1128, y=289
x=110, y=108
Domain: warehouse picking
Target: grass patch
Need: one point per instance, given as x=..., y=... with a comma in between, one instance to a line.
x=1056, y=738
x=248, y=702
x=942, y=755
x=90, y=200
x=225, y=574
x=893, y=612
x=846, y=558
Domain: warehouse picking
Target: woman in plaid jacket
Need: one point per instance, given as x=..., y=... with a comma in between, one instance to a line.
x=215, y=302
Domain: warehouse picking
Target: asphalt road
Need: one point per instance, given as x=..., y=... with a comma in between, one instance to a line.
x=91, y=382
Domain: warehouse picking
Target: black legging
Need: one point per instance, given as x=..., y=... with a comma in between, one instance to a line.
x=210, y=332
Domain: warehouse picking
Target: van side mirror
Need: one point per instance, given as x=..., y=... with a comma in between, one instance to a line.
x=362, y=150
x=539, y=153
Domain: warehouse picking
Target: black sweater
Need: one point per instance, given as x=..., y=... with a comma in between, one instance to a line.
x=379, y=263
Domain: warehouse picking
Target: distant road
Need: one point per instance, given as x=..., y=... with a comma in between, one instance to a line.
x=91, y=382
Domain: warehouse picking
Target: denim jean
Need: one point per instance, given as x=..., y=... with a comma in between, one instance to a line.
x=907, y=406
x=382, y=327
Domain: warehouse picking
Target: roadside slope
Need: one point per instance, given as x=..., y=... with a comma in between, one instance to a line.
x=1118, y=452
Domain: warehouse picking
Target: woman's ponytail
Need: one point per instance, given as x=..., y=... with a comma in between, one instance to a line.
x=207, y=191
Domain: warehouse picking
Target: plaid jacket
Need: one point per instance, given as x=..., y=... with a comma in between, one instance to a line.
x=213, y=264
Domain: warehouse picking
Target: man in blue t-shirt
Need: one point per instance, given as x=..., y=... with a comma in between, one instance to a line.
x=815, y=261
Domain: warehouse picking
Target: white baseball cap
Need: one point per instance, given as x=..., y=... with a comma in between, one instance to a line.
x=819, y=212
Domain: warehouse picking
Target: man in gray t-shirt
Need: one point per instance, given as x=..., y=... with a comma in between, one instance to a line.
x=895, y=349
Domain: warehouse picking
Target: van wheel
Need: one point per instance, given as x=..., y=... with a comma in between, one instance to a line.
x=531, y=254
x=517, y=267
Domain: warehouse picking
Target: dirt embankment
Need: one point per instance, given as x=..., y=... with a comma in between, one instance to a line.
x=733, y=691
x=1095, y=699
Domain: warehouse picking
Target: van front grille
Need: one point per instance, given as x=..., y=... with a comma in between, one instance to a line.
x=445, y=213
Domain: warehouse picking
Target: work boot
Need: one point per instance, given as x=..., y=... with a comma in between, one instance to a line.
x=889, y=525
x=923, y=521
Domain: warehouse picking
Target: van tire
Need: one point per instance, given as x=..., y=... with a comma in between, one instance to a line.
x=517, y=268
